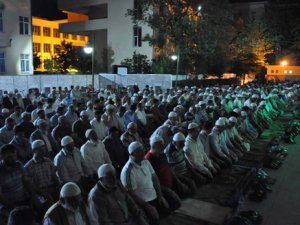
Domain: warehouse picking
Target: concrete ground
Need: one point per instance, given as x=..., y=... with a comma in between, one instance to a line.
x=282, y=206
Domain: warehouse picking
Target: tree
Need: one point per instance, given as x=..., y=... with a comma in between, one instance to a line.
x=181, y=29
x=137, y=64
x=36, y=61
x=51, y=65
x=65, y=57
x=251, y=46
x=284, y=19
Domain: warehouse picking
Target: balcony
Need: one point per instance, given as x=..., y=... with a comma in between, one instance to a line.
x=83, y=26
x=80, y=6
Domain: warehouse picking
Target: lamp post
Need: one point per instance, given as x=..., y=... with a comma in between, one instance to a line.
x=176, y=58
x=89, y=49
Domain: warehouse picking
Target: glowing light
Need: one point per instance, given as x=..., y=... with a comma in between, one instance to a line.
x=174, y=57
x=88, y=49
x=284, y=63
x=199, y=8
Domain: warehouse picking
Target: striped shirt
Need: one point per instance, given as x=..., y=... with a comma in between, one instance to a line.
x=176, y=159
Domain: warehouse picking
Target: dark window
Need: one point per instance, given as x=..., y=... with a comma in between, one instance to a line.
x=24, y=25
x=46, y=31
x=1, y=22
x=65, y=36
x=2, y=62
x=47, y=48
x=56, y=33
x=36, y=30
x=137, y=36
x=36, y=47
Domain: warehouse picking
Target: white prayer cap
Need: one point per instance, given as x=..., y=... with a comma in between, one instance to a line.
x=25, y=114
x=5, y=110
x=220, y=122
x=179, y=137
x=89, y=102
x=131, y=125
x=148, y=104
x=37, y=143
x=156, y=139
x=228, y=96
x=243, y=113
x=110, y=98
x=192, y=126
x=66, y=140
x=253, y=105
x=109, y=106
x=88, y=132
x=236, y=110
x=40, y=122
x=233, y=119
x=254, y=96
x=104, y=169
x=70, y=189
x=83, y=113
x=201, y=103
x=172, y=114
x=134, y=146
x=262, y=103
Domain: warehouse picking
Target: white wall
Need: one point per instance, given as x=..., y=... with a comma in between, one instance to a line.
x=120, y=31
x=21, y=44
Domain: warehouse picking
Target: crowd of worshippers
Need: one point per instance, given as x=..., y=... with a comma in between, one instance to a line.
x=124, y=157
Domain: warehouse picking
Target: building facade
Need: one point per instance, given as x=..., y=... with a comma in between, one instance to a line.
x=46, y=39
x=113, y=34
x=15, y=38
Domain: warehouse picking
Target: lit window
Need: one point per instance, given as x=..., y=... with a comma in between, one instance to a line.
x=291, y=71
x=82, y=38
x=65, y=36
x=2, y=62
x=74, y=37
x=36, y=30
x=1, y=21
x=56, y=33
x=25, y=63
x=47, y=48
x=285, y=71
x=24, y=25
x=36, y=47
x=56, y=48
x=46, y=31
x=137, y=36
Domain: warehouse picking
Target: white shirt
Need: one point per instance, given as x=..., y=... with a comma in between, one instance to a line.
x=195, y=154
x=99, y=128
x=90, y=113
x=138, y=178
x=141, y=116
x=94, y=155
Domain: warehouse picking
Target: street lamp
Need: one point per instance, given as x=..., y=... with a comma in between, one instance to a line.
x=90, y=50
x=284, y=63
x=176, y=58
x=199, y=8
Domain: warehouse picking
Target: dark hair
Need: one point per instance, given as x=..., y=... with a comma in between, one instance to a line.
x=18, y=129
x=7, y=148
x=21, y=215
x=208, y=125
x=98, y=112
x=112, y=129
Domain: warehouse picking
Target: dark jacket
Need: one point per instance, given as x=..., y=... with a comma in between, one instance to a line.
x=56, y=213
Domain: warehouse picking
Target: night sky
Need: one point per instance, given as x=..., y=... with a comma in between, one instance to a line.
x=46, y=9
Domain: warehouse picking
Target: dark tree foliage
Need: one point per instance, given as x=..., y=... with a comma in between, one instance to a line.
x=137, y=64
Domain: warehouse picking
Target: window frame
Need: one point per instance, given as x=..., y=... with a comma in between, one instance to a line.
x=24, y=26
x=25, y=63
